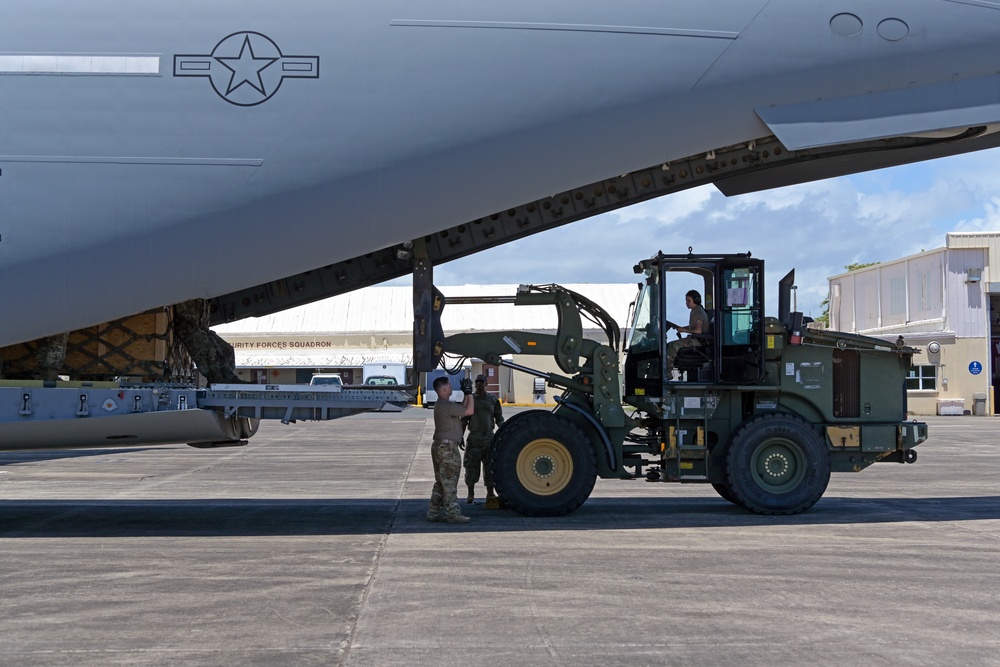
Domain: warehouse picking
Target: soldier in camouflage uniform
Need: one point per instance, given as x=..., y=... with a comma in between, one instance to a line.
x=698, y=324
x=477, y=445
x=444, y=452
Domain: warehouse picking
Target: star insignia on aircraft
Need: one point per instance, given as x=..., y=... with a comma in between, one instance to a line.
x=246, y=68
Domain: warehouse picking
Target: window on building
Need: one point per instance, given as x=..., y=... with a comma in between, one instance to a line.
x=922, y=378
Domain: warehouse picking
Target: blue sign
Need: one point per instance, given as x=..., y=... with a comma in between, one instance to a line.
x=975, y=368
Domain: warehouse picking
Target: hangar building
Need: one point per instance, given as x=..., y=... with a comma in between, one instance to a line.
x=946, y=302
x=342, y=333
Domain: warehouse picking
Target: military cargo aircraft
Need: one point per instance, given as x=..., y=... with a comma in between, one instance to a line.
x=160, y=152
x=260, y=155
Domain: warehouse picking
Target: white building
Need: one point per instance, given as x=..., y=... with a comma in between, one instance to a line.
x=946, y=302
x=340, y=334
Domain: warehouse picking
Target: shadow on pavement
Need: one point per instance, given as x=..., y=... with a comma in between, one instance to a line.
x=13, y=458
x=252, y=517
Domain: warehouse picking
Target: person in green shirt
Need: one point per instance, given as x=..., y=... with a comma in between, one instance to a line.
x=697, y=324
x=487, y=413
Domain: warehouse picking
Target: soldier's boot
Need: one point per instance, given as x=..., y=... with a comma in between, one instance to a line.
x=472, y=494
x=454, y=515
x=492, y=502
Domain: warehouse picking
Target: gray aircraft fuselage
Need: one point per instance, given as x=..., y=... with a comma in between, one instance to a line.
x=156, y=152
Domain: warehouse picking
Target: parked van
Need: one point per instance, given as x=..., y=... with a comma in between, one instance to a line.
x=326, y=378
x=384, y=370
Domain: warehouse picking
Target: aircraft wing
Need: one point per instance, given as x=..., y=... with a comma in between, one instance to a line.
x=916, y=111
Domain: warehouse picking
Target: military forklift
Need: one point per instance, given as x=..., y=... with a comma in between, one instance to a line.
x=763, y=408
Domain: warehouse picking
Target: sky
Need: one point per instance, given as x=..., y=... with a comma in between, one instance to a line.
x=816, y=228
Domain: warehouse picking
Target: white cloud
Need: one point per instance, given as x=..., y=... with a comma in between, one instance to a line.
x=817, y=228
x=668, y=209
x=989, y=222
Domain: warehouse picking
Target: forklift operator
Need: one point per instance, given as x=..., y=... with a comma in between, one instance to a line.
x=697, y=324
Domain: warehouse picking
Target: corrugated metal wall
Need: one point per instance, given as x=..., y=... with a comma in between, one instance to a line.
x=926, y=286
x=842, y=304
x=866, y=298
x=894, y=294
x=968, y=307
x=988, y=240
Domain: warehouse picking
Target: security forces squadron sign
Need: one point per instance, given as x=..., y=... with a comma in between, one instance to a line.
x=247, y=68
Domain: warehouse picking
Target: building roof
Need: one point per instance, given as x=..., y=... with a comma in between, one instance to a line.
x=390, y=310
x=340, y=358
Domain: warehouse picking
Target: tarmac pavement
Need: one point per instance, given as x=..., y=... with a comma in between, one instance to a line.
x=309, y=546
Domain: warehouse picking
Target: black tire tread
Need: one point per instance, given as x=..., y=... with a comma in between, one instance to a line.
x=794, y=423
x=544, y=423
x=725, y=493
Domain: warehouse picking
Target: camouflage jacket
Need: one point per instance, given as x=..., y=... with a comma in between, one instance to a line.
x=486, y=414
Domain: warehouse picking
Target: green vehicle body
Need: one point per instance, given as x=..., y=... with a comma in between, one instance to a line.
x=764, y=410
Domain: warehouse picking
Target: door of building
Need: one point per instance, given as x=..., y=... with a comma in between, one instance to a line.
x=492, y=379
x=995, y=350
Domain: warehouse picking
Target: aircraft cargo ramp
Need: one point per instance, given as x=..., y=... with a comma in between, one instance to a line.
x=37, y=415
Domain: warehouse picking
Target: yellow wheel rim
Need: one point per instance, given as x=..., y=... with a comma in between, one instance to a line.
x=544, y=467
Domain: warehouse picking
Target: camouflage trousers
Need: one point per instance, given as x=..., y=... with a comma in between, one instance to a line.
x=676, y=346
x=477, y=456
x=447, y=468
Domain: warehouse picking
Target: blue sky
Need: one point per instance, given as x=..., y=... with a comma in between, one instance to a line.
x=816, y=228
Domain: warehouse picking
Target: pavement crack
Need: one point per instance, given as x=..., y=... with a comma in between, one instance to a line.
x=540, y=626
x=284, y=618
x=425, y=434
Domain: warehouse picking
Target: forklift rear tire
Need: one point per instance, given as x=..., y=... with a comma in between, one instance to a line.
x=723, y=490
x=543, y=464
x=776, y=464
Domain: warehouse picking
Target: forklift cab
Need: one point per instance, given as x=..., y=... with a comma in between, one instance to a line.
x=730, y=352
